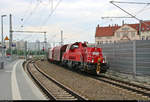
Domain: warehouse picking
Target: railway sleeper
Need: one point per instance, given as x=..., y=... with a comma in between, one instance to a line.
x=69, y=95
x=66, y=99
x=65, y=96
x=60, y=94
x=56, y=91
x=59, y=90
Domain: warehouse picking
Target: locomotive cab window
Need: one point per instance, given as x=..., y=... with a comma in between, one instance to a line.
x=84, y=45
x=74, y=47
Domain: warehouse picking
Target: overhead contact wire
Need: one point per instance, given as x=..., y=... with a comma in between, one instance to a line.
x=46, y=20
x=31, y=13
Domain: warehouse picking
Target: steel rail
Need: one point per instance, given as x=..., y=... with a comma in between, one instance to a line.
x=119, y=83
x=48, y=94
x=131, y=84
x=125, y=85
x=79, y=97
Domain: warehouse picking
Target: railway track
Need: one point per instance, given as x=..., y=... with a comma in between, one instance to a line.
x=144, y=91
x=141, y=90
x=52, y=88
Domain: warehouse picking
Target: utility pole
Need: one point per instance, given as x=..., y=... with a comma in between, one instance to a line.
x=53, y=44
x=61, y=37
x=45, y=43
x=140, y=26
x=38, y=47
x=45, y=38
x=10, y=36
x=2, y=35
x=25, y=50
x=17, y=49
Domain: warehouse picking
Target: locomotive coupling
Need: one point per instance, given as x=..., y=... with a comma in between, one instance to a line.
x=98, y=66
x=99, y=60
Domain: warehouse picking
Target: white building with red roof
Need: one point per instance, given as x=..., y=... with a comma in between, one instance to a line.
x=126, y=32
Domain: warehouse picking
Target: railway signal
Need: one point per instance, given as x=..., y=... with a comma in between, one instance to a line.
x=43, y=49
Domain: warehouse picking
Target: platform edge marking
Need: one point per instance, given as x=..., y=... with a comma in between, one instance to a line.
x=14, y=84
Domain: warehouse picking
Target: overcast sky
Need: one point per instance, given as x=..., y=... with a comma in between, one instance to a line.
x=77, y=18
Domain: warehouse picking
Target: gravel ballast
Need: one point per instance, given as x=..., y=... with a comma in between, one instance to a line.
x=87, y=86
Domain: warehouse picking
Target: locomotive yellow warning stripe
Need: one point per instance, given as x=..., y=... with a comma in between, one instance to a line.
x=98, y=66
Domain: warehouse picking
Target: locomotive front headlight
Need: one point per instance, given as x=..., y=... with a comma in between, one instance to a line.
x=92, y=60
x=103, y=60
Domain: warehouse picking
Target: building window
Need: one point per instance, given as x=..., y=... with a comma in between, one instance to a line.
x=143, y=37
x=108, y=37
x=99, y=37
x=125, y=29
x=118, y=34
x=132, y=34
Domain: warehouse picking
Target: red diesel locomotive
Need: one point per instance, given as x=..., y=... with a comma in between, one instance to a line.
x=79, y=56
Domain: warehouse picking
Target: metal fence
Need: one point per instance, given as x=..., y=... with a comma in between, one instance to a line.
x=128, y=57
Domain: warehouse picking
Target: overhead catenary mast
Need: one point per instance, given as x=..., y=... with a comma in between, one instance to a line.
x=140, y=21
x=61, y=37
x=10, y=36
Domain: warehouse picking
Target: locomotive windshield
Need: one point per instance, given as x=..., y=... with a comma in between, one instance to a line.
x=74, y=46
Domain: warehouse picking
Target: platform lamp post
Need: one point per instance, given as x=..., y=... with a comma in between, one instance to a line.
x=2, y=35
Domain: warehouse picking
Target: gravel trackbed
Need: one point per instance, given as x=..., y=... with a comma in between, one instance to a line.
x=87, y=86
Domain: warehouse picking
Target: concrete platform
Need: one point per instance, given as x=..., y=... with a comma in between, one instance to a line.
x=16, y=85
